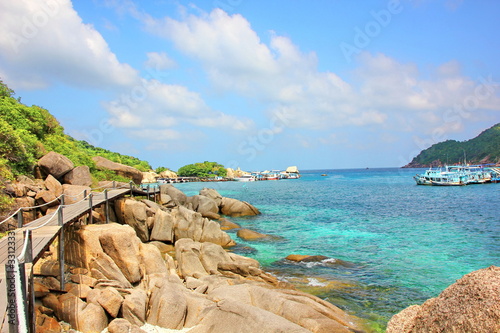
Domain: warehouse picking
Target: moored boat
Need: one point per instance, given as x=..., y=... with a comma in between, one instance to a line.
x=245, y=178
x=455, y=175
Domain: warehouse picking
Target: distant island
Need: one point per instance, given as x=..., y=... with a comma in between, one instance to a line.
x=483, y=149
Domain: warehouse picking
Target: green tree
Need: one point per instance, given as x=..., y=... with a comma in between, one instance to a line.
x=485, y=146
x=29, y=132
x=5, y=175
x=203, y=170
x=5, y=91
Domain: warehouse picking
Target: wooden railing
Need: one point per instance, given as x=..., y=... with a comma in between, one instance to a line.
x=22, y=247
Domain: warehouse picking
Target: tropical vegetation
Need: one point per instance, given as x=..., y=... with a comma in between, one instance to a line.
x=203, y=170
x=29, y=132
x=485, y=148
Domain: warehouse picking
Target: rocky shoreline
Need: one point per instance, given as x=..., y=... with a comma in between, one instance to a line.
x=166, y=265
x=169, y=264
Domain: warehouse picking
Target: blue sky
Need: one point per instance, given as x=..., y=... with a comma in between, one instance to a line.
x=258, y=84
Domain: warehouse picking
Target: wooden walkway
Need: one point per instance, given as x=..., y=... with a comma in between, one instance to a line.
x=44, y=231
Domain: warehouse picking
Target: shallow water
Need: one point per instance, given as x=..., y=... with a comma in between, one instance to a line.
x=406, y=242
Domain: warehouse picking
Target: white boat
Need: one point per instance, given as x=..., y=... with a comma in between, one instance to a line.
x=245, y=178
x=454, y=176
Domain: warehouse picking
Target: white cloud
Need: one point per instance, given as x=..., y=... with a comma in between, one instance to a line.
x=43, y=42
x=46, y=42
x=163, y=108
x=159, y=61
x=280, y=75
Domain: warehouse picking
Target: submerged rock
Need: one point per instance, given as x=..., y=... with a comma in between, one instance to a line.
x=225, y=224
x=248, y=234
x=327, y=261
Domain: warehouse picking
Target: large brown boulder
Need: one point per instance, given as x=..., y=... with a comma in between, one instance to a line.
x=134, y=306
x=212, y=194
x=55, y=164
x=120, y=169
x=74, y=193
x=113, y=252
x=46, y=197
x=206, y=206
x=53, y=185
x=80, y=315
x=198, y=260
x=28, y=215
x=167, y=304
x=176, y=195
x=123, y=250
x=163, y=227
x=190, y=224
x=133, y=213
x=234, y=317
x=472, y=304
x=109, y=298
x=234, y=207
x=149, y=177
x=79, y=176
x=297, y=311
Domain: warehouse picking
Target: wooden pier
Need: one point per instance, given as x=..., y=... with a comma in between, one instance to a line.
x=43, y=232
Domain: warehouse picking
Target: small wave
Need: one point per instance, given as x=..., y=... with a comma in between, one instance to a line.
x=312, y=264
x=316, y=283
x=329, y=261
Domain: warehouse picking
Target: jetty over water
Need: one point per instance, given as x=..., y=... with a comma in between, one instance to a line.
x=24, y=246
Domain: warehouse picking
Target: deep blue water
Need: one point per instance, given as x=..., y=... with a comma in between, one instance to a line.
x=405, y=243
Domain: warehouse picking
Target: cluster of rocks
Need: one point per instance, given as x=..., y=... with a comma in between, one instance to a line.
x=45, y=193
x=162, y=263
x=165, y=265
x=152, y=177
x=55, y=174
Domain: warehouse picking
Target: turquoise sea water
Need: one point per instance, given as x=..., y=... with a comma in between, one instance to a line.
x=406, y=242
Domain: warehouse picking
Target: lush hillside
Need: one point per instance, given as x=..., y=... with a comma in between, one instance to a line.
x=203, y=170
x=485, y=148
x=29, y=132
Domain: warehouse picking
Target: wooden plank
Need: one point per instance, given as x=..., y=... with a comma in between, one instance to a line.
x=45, y=235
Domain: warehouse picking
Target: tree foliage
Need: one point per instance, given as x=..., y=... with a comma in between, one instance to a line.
x=203, y=170
x=484, y=147
x=5, y=91
x=29, y=132
x=160, y=169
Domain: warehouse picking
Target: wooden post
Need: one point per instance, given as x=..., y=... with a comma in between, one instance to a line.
x=29, y=254
x=114, y=184
x=84, y=194
x=20, y=221
x=28, y=259
x=107, y=205
x=61, y=244
x=91, y=218
x=131, y=190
